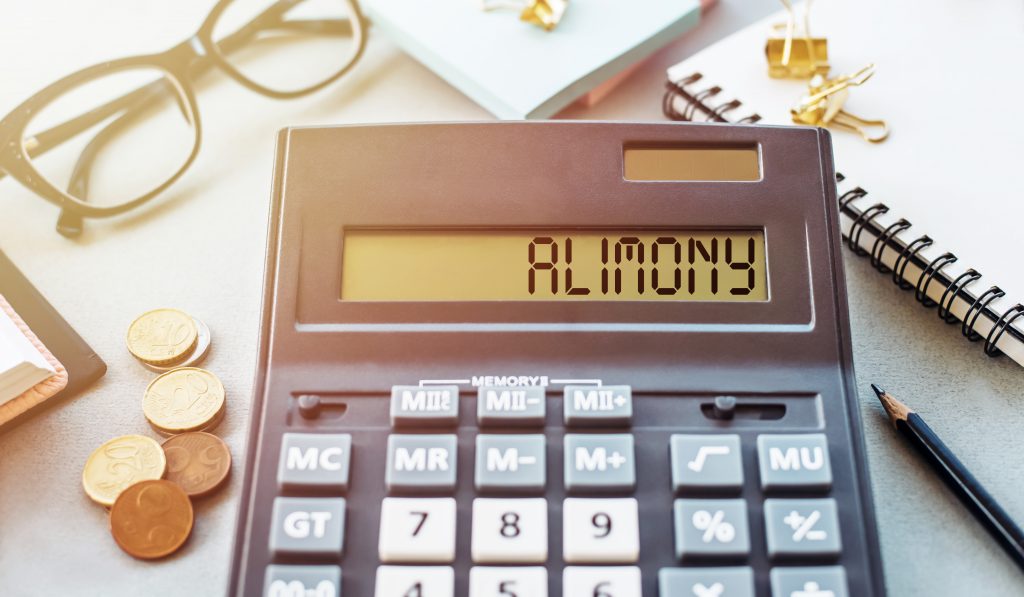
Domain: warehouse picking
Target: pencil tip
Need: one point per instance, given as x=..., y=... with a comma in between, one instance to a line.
x=896, y=410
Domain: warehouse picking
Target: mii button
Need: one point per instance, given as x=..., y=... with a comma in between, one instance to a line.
x=791, y=461
x=424, y=407
x=318, y=461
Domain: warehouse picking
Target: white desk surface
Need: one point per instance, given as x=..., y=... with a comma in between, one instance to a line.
x=54, y=541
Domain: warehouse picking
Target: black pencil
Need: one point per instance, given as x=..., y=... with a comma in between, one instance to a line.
x=979, y=501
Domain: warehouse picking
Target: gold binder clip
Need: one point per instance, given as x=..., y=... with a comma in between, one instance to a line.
x=545, y=14
x=796, y=57
x=823, y=105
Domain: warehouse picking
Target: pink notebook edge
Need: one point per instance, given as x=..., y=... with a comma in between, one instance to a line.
x=45, y=389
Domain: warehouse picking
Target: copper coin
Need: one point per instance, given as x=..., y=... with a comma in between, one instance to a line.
x=199, y=462
x=151, y=519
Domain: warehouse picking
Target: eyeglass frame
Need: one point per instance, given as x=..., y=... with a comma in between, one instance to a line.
x=176, y=64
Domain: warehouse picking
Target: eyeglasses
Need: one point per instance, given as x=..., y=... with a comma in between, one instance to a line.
x=111, y=137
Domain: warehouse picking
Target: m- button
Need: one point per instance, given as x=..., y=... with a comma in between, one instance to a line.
x=424, y=406
x=598, y=406
x=788, y=461
x=314, y=460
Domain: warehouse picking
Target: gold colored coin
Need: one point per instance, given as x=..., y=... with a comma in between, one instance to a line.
x=185, y=399
x=162, y=336
x=120, y=463
x=198, y=462
x=151, y=519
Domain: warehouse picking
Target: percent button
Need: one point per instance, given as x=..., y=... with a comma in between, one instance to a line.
x=711, y=528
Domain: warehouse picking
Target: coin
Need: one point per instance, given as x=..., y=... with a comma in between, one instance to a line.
x=151, y=519
x=119, y=463
x=185, y=399
x=198, y=354
x=162, y=336
x=198, y=462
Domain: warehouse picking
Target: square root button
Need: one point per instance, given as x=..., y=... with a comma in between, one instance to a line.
x=319, y=460
x=598, y=406
x=597, y=463
x=322, y=581
x=307, y=526
x=706, y=462
x=510, y=463
x=421, y=463
x=424, y=407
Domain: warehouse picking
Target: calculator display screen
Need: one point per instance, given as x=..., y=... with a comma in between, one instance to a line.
x=542, y=264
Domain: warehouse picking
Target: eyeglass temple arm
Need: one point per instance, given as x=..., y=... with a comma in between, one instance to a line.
x=50, y=138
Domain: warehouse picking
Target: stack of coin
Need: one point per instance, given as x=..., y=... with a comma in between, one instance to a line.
x=164, y=339
x=184, y=399
x=149, y=487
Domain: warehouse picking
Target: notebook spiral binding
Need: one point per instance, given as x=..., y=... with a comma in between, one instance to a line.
x=702, y=105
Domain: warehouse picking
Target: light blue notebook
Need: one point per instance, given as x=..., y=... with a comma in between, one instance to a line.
x=517, y=70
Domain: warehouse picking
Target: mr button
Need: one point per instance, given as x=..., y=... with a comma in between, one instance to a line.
x=424, y=407
x=598, y=406
x=421, y=463
x=789, y=461
x=314, y=460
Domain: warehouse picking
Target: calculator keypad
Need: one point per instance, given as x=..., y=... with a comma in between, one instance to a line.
x=511, y=523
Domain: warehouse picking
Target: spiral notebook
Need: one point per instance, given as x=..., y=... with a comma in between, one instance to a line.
x=936, y=208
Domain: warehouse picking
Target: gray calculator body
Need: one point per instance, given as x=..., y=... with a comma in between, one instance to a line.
x=765, y=492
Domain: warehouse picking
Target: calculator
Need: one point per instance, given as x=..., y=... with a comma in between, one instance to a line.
x=555, y=359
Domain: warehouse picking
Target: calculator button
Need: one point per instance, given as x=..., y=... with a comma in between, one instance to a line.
x=510, y=531
x=508, y=581
x=512, y=463
x=415, y=581
x=820, y=581
x=308, y=526
x=706, y=582
x=423, y=407
x=706, y=462
x=801, y=527
x=787, y=461
x=600, y=531
x=417, y=530
x=421, y=463
x=598, y=406
x=314, y=460
x=321, y=581
x=707, y=528
x=499, y=406
x=599, y=462
x=603, y=581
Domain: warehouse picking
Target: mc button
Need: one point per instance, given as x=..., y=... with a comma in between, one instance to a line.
x=314, y=460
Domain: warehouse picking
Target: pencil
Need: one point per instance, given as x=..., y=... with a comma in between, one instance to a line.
x=979, y=501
